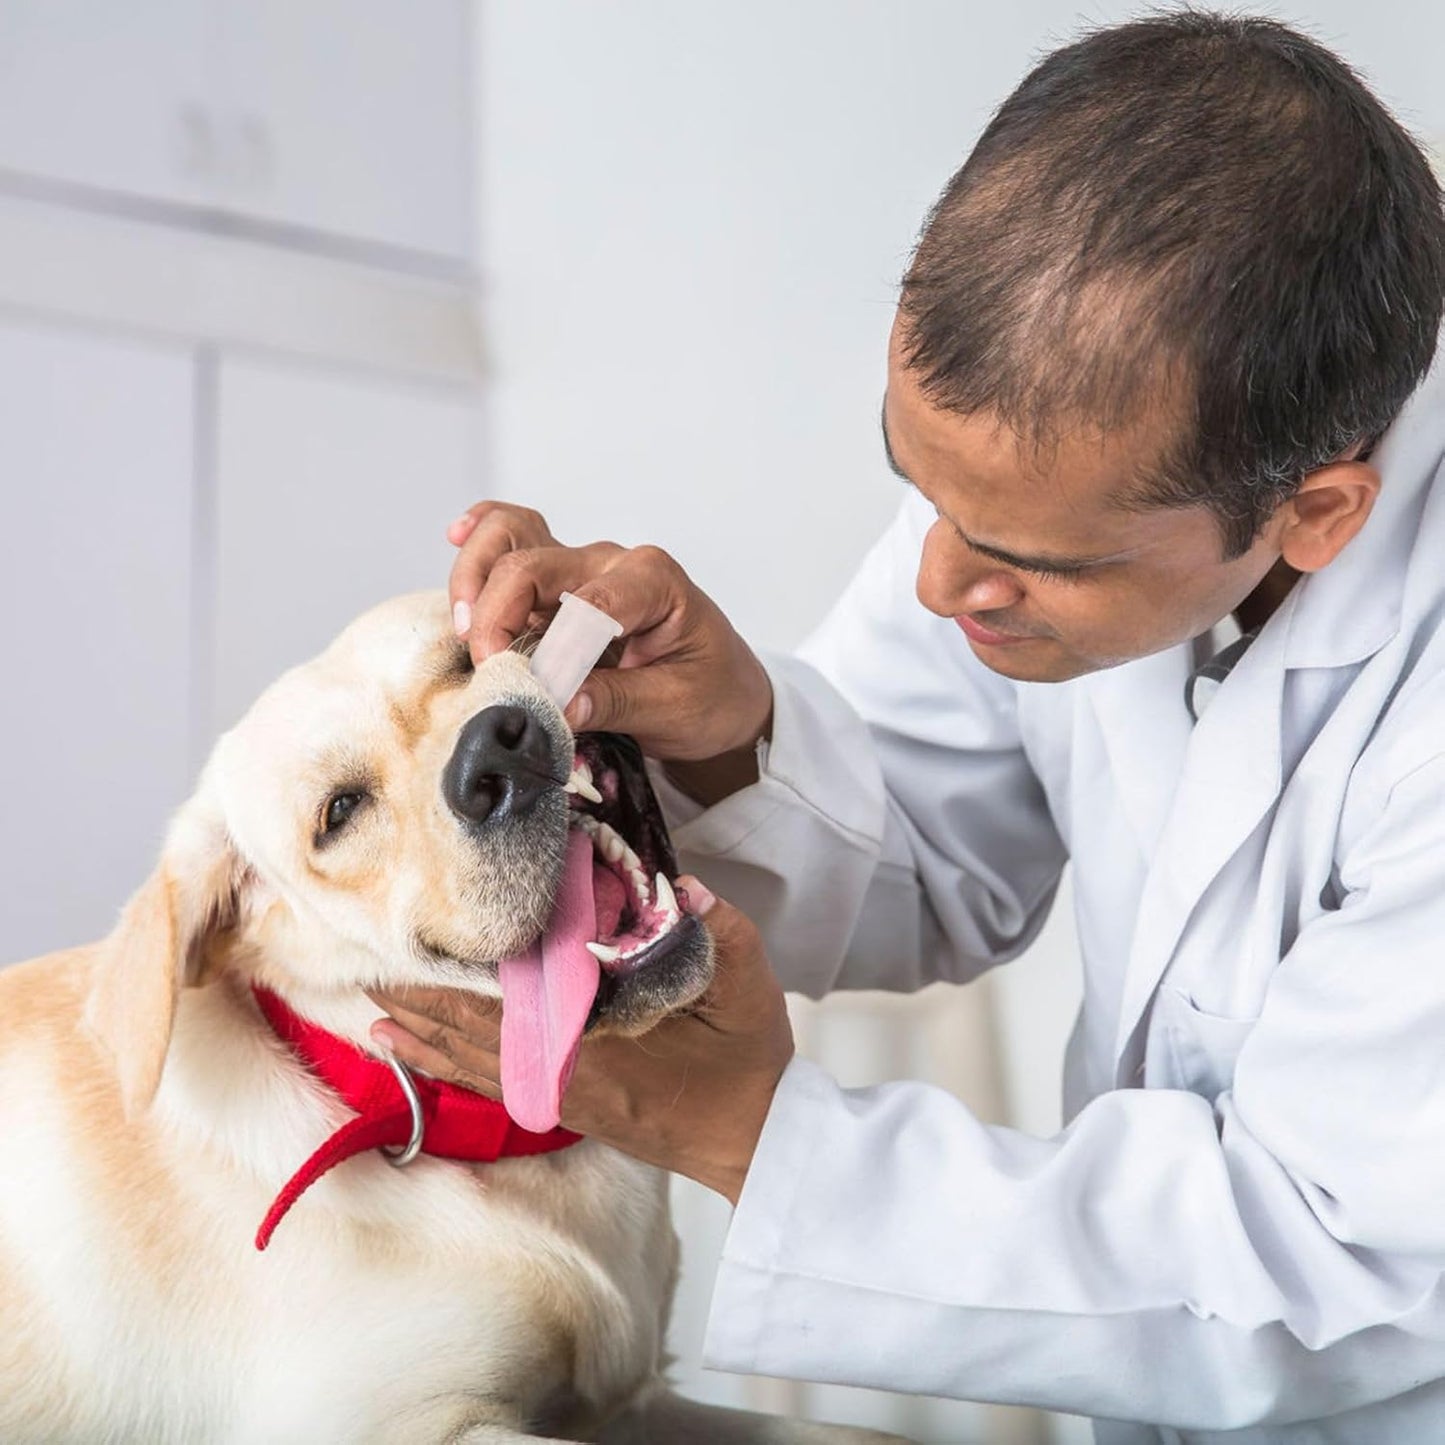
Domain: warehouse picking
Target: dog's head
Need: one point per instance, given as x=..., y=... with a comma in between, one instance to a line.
x=387, y=815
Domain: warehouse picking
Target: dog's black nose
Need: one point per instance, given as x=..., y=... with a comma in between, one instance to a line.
x=504, y=762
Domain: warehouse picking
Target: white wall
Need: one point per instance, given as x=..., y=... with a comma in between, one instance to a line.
x=693, y=219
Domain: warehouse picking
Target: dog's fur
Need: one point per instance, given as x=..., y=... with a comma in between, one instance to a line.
x=151, y=1116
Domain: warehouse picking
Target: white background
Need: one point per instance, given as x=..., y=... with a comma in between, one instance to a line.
x=686, y=222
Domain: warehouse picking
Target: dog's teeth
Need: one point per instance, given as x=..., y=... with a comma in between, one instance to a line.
x=612, y=846
x=639, y=883
x=580, y=782
x=631, y=861
x=666, y=898
x=604, y=953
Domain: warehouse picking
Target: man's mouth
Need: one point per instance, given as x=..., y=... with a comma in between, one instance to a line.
x=976, y=631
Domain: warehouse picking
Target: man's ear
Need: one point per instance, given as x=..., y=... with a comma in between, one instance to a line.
x=159, y=945
x=1326, y=513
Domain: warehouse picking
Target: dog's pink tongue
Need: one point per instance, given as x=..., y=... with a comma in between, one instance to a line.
x=546, y=997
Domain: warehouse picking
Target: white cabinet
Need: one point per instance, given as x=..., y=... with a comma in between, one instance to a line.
x=95, y=625
x=350, y=116
x=100, y=94
x=320, y=118
x=277, y=193
x=334, y=493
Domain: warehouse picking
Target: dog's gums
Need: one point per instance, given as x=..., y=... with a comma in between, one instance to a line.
x=612, y=801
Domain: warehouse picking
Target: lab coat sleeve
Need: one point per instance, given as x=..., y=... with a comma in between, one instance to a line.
x=1275, y=1254
x=898, y=834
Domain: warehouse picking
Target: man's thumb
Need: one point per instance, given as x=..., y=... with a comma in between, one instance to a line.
x=695, y=896
x=612, y=700
x=733, y=932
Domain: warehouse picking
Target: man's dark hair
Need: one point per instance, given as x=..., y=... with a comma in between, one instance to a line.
x=1206, y=211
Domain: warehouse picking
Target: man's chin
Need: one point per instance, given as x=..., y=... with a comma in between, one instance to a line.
x=1039, y=659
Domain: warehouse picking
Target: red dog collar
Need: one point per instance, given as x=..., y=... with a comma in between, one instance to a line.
x=457, y=1123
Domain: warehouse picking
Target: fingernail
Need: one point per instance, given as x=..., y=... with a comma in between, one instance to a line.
x=695, y=897
x=580, y=712
x=381, y=1037
x=462, y=617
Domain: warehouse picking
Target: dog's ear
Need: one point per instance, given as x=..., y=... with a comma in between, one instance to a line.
x=159, y=945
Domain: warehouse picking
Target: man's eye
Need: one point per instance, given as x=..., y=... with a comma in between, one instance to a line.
x=339, y=809
x=1051, y=574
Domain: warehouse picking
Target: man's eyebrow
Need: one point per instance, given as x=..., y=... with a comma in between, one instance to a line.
x=1037, y=563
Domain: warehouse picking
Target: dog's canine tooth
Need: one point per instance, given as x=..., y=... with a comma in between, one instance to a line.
x=666, y=898
x=580, y=782
x=604, y=953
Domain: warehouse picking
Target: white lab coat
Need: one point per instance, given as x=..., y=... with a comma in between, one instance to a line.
x=1242, y=1227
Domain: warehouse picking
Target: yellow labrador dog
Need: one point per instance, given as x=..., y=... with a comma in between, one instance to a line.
x=383, y=815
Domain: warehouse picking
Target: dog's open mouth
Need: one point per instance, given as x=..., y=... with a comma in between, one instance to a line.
x=633, y=866
x=616, y=921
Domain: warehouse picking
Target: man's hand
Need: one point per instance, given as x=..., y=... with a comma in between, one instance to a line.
x=686, y=686
x=690, y=1096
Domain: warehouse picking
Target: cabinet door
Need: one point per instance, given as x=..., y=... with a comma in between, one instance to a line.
x=95, y=594
x=345, y=117
x=334, y=494
x=357, y=116
x=106, y=95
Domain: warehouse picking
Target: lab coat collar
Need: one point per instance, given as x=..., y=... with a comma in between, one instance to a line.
x=1348, y=610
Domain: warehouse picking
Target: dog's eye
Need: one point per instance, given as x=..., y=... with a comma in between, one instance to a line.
x=339, y=808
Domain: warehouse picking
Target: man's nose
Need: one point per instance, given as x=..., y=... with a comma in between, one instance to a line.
x=504, y=761
x=953, y=579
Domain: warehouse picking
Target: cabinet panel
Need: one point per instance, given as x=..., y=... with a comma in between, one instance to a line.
x=106, y=95
x=95, y=591
x=347, y=117
x=334, y=494
x=352, y=116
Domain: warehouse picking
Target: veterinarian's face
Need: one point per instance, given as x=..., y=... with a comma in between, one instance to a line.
x=1047, y=576
x=407, y=819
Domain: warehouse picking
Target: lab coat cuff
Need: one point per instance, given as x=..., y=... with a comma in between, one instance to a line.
x=820, y=758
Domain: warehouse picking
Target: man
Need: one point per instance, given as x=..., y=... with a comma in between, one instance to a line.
x=1155, y=385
